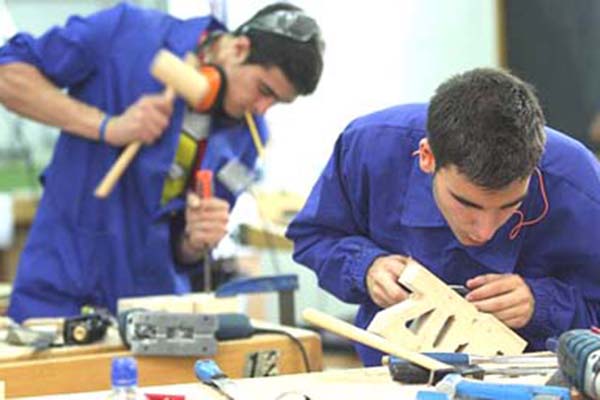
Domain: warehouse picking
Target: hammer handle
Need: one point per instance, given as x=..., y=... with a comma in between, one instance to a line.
x=351, y=332
x=112, y=176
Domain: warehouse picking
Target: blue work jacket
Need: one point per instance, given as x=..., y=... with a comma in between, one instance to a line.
x=84, y=250
x=373, y=200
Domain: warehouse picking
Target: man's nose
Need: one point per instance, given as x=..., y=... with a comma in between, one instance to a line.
x=485, y=227
x=262, y=105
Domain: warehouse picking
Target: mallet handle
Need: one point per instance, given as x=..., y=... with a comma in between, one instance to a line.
x=351, y=332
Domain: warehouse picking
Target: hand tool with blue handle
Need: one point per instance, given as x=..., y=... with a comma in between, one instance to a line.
x=457, y=387
x=209, y=373
x=540, y=358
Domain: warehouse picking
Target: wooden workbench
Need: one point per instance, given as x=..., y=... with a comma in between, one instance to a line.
x=350, y=384
x=87, y=368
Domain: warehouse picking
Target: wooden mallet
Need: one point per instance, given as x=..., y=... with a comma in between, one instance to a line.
x=198, y=88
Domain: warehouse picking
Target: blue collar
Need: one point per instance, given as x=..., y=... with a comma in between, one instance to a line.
x=184, y=35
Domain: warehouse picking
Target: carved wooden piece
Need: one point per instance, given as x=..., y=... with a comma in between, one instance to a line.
x=436, y=318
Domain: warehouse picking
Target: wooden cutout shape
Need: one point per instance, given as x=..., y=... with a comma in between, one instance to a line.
x=436, y=318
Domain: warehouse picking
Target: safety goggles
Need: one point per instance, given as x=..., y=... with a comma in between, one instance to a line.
x=292, y=24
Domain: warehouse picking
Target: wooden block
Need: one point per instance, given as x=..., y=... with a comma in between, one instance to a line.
x=2, y=390
x=436, y=318
x=205, y=303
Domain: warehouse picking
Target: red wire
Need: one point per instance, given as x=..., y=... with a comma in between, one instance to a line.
x=514, y=232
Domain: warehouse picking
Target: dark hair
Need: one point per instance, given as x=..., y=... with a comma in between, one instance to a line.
x=489, y=124
x=299, y=58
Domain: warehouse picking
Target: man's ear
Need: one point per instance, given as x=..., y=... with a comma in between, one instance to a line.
x=426, y=158
x=241, y=48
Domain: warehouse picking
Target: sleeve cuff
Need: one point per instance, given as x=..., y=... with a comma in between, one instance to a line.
x=541, y=324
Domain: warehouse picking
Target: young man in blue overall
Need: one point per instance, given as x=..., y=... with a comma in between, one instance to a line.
x=473, y=187
x=146, y=236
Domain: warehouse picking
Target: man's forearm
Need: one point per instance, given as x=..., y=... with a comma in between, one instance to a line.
x=26, y=91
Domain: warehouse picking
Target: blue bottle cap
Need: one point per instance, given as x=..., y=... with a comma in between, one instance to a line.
x=124, y=371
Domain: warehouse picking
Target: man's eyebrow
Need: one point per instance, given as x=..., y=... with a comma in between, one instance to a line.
x=469, y=203
x=465, y=202
x=514, y=202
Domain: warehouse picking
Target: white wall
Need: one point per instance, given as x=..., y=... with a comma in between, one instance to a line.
x=378, y=53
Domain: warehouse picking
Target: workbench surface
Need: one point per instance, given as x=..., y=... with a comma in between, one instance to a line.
x=351, y=384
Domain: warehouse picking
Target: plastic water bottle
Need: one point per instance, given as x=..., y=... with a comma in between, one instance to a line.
x=124, y=378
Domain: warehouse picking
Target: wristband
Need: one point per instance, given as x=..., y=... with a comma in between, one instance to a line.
x=102, y=129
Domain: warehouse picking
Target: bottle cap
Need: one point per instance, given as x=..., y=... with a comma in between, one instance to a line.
x=124, y=371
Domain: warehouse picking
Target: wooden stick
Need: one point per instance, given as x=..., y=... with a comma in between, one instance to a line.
x=179, y=77
x=351, y=332
x=260, y=149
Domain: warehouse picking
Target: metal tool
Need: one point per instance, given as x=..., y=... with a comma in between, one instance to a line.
x=546, y=359
x=209, y=373
x=204, y=189
x=579, y=360
x=457, y=387
x=22, y=336
x=169, y=334
x=408, y=372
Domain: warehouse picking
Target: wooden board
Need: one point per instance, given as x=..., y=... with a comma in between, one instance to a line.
x=436, y=318
x=56, y=372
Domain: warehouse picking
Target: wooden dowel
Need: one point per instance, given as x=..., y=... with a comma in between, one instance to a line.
x=260, y=149
x=351, y=332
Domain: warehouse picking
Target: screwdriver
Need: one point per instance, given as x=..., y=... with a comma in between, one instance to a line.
x=407, y=372
x=209, y=373
x=204, y=189
x=543, y=357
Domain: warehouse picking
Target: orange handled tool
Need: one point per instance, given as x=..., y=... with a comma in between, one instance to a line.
x=204, y=189
x=204, y=183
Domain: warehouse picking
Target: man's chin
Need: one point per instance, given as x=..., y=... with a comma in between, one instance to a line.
x=470, y=242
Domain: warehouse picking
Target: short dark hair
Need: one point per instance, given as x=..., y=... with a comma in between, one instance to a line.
x=301, y=61
x=489, y=124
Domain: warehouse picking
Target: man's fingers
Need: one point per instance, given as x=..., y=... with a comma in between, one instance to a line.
x=206, y=226
x=481, y=280
x=393, y=292
x=507, y=300
x=193, y=200
x=513, y=313
x=516, y=323
x=494, y=285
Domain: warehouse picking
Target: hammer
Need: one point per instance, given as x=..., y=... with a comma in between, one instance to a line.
x=198, y=88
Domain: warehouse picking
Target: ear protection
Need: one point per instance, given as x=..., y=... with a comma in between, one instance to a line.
x=217, y=83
